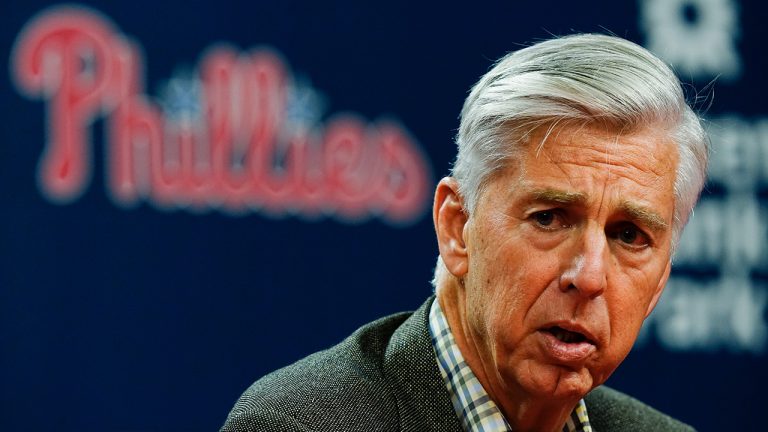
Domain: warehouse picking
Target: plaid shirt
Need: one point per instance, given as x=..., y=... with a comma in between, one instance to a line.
x=477, y=412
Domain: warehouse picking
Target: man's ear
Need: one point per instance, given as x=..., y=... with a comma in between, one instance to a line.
x=450, y=217
x=659, y=289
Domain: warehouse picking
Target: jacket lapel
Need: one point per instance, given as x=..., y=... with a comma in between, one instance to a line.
x=411, y=369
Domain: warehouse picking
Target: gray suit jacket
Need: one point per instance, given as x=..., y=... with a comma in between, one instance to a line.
x=384, y=377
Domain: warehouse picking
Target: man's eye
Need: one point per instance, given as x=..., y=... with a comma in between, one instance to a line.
x=628, y=235
x=631, y=235
x=544, y=218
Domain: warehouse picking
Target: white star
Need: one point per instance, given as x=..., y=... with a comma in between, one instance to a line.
x=696, y=36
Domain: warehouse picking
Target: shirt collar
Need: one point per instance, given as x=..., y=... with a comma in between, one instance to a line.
x=473, y=406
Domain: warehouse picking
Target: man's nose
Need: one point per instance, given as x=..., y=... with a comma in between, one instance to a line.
x=586, y=273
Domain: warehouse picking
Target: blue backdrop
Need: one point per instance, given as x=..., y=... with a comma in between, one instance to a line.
x=186, y=195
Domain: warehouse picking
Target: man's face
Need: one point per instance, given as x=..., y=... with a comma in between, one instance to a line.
x=566, y=255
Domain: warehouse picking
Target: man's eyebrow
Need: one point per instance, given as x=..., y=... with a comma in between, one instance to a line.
x=557, y=196
x=644, y=215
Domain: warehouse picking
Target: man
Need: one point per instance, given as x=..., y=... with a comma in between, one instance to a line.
x=578, y=165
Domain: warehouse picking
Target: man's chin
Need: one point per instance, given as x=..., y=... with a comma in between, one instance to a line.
x=572, y=386
x=557, y=382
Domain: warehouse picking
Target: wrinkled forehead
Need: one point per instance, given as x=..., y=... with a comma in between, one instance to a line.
x=649, y=147
x=641, y=160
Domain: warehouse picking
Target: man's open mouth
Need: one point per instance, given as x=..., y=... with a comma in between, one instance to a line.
x=567, y=336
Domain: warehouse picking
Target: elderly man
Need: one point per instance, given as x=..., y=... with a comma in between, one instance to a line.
x=578, y=165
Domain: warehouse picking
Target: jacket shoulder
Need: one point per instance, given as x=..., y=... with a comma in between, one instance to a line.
x=340, y=389
x=611, y=410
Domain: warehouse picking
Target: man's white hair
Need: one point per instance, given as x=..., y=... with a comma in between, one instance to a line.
x=585, y=79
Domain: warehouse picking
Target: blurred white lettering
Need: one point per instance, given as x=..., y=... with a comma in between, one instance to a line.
x=739, y=159
x=725, y=306
x=707, y=316
x=728, y=234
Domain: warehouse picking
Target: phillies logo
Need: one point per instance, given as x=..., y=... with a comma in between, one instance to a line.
x=239, y=133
